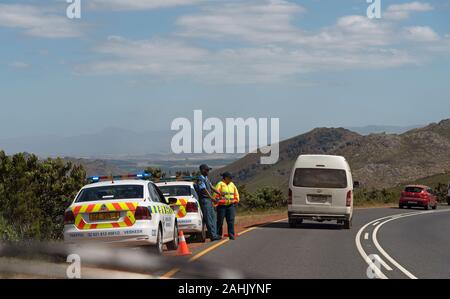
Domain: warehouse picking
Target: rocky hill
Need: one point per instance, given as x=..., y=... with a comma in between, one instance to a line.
x=377, y=160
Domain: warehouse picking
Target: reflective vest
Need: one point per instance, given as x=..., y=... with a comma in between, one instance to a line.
x=230, y=194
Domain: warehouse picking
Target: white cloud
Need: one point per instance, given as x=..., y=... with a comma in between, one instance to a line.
x=138, y=4
x=403, y=11
x=159, y=57
x=36, y=21
x=166, y=59
x=271, y=22
x=258, y=41
x=259, y=21
x=421, y=34
x=19, y=65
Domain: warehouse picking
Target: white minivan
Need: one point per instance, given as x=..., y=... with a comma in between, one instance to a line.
x=321, y=189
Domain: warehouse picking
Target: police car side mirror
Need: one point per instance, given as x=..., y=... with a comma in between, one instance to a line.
x=356, y=184
x=172, y=200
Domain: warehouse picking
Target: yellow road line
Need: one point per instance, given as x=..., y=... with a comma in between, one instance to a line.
x=170, y=273
x=211, y=248
x=174, y=271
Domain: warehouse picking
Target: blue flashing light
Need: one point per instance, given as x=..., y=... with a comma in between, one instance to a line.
x=141, y=176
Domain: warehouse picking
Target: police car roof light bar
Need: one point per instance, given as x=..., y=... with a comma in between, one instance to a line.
x=139, y=176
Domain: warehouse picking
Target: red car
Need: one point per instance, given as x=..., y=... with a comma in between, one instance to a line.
x=418, y=196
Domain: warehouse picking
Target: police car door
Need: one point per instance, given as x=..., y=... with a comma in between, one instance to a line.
x=164, y=212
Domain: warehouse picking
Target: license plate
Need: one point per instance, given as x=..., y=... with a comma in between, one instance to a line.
x=412, y=202
x=104, y=216
x=319, y=198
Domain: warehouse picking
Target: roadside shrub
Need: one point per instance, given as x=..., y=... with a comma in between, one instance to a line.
x=373, y=196
x=7, y=233
x=34, y=195
x=264, y=198
x=441, y=191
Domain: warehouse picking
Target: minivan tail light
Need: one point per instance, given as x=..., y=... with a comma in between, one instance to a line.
x=69, y=218
x=349, y=198
x=191, y=207
x=290, y=197
x=142, y=213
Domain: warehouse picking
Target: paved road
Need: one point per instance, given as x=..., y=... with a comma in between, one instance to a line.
x=410, y=246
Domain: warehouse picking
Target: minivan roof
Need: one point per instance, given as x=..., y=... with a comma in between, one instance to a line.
x=325, y=161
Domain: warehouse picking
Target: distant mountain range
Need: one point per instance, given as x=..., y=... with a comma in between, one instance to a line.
x=110, y=142
x=377, y=160
x=114, y=143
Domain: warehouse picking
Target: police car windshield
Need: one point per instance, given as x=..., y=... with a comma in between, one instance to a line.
x=111, y=193
x=176, y=190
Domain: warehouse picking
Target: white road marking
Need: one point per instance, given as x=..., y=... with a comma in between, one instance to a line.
x=385, y=254
x=383, y=263
x=364, y=255
x=281, y=220
x=366, y=236
x=382, y=221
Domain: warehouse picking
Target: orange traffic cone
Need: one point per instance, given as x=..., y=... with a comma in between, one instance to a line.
x=182, y=245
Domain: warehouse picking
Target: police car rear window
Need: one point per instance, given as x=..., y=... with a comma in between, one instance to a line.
x=320, y=178
x=111, y=193
x=176, y=190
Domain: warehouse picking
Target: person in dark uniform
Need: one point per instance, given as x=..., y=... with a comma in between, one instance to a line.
x=207, y=202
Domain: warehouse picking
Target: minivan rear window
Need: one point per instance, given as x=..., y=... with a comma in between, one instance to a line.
x=413, y=189
x=111, y=193
x=320, y=178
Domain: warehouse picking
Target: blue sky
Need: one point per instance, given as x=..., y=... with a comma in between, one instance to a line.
x=139, y=64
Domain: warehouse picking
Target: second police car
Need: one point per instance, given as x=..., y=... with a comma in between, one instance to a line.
x=123, y=210
x=184, y=201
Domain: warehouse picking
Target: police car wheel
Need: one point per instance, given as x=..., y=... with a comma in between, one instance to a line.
x=158, y=248
x=201, y=237
x=174, y=244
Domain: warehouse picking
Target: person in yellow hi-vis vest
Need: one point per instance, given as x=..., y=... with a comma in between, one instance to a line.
x=226, y=204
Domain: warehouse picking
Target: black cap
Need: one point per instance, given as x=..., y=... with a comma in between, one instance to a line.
x=205, y=167
x=227, y=175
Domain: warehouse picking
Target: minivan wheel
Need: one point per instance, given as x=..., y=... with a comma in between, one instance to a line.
x=292, y=223
x=434, y=207
x=348, y=224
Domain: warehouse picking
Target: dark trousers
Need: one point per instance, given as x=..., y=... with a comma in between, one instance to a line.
x=209, y=217
x=228, y=213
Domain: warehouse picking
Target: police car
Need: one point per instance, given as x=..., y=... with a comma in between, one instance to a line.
x=184, y=201
x=123, y=210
